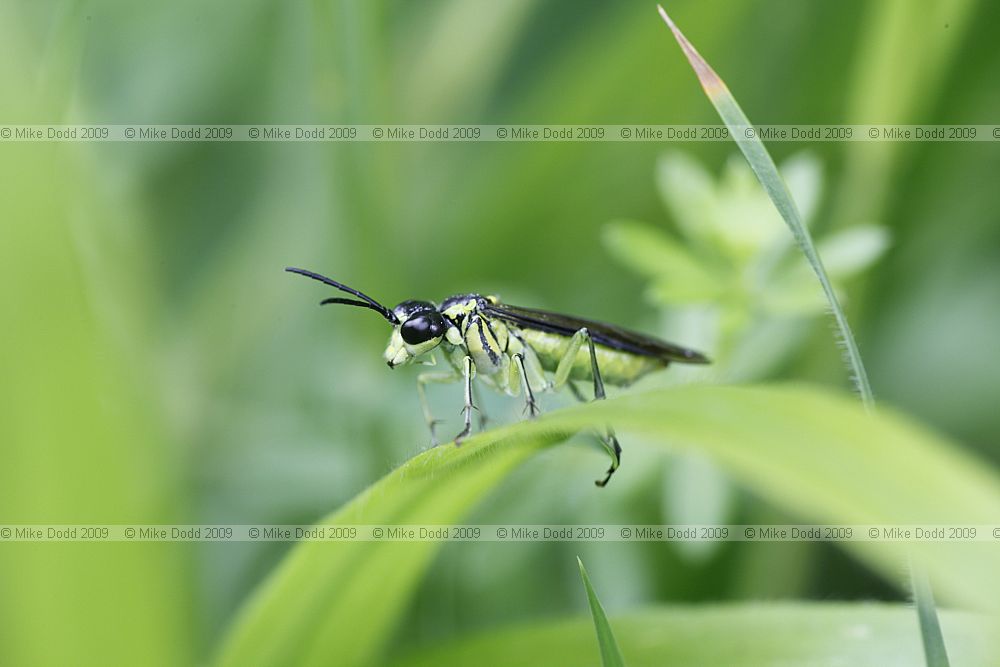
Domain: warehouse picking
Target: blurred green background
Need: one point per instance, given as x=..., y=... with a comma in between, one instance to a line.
x=157, y=366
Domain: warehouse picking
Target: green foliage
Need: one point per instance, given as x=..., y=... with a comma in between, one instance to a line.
x=155, y=367
x=935, y=653
x=767, y=172
x=815, y=453
x=78, y=440
x=751, y=635
x=611, y=656
x=734, y=258
x=307, y=613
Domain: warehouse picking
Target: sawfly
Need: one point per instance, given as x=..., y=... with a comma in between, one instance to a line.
x=513, y=349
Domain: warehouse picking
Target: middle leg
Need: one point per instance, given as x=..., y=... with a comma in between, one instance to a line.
x=531, y=406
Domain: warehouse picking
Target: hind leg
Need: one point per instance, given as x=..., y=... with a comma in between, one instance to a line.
x=609, y=440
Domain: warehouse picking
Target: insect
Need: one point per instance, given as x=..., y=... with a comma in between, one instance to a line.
x=513, y=350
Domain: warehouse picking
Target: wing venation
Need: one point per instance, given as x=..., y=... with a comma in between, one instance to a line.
x=608, y=335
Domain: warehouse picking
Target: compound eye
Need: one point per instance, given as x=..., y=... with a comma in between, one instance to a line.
x=407, y=308
x=422, y=328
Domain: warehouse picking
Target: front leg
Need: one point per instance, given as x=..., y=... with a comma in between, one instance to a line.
x=438, y=377
x=468, y=372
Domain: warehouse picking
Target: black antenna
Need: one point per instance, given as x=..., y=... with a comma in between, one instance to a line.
x=366, y=301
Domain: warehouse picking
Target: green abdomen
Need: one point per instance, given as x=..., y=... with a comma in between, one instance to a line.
x=617, y=367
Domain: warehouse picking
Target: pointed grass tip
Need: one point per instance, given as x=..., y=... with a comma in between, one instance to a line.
x=710, y=81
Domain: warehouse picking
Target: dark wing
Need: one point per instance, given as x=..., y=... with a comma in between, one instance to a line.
x=607, y=335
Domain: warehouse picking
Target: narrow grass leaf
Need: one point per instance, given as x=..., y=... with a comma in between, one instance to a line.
x=610, y=655
x=80, y=439
x=336, y=602
x=806, y=450
x=820, y=456
x=736, y=635
x=930, y=629
x=767, y=172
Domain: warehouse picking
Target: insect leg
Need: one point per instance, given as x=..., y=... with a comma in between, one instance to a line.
x=577, y=394
x=531, y=406
x=468, y=370
x=483, y=418
x=534, y=367
x=439, y=377
x=569, y=358
x=609, y=440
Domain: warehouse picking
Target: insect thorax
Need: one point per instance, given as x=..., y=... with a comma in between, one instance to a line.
x=457, y=307
x=485, y=339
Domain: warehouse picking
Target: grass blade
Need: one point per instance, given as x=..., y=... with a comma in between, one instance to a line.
x=767, y=172
x=930, y=629
x=803, y=449
x=769, y=634
x=81, y=438
x=610, y=655
x=336, y=602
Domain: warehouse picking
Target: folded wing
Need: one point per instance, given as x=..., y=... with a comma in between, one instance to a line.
x=604, y=334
